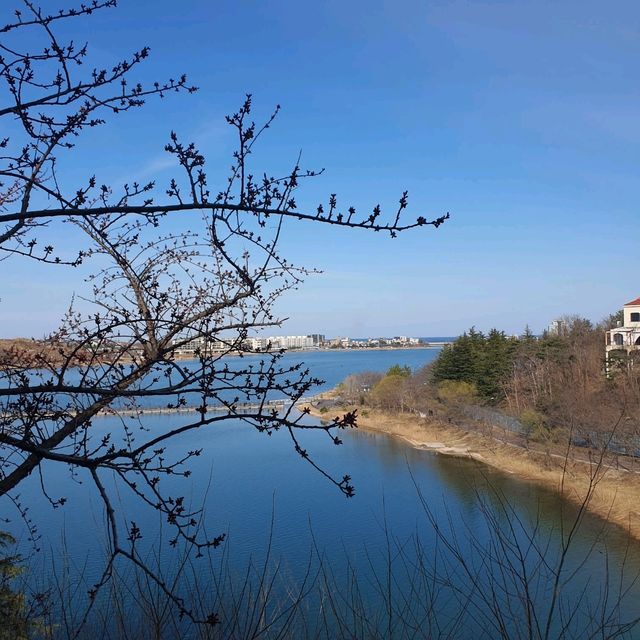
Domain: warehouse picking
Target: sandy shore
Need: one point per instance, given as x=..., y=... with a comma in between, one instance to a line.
x=614, y=482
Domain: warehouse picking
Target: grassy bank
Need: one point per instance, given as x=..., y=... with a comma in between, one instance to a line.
x=609, y=485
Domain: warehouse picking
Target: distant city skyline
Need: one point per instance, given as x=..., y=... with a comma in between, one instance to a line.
x=186, y=346
x=522, y=119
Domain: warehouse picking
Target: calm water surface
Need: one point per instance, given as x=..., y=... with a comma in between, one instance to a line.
x=247, y=480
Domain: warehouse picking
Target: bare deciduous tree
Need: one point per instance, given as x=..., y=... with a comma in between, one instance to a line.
x=153, y=288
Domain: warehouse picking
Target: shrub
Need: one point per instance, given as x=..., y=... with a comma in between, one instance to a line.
x=537, y=427
x=455, y=392
x=532, y=419
x=397, y=370
x=13, y=620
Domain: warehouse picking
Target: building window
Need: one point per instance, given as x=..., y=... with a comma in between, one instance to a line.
x=635, y=317
x=618, y=339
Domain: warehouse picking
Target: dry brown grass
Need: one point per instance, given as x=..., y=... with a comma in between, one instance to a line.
x=615, y=492
x=23, y=352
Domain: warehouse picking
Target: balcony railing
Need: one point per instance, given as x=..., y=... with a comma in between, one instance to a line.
x=623, y=338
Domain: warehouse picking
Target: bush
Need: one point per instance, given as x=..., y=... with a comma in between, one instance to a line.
x=454, y=392
x=389, y=393
x=537, y=426
x=397, y=370
x=532, y=419
x=13, y=620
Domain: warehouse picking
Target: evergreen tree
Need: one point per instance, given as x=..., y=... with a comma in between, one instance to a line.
x=480, y=360
x=397, y=370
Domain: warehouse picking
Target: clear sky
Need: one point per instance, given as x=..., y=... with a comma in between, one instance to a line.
x=521, y=118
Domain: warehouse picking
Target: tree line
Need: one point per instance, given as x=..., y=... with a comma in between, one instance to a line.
x=554, y=383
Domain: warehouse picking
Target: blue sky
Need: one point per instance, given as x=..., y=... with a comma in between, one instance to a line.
x=520, y=118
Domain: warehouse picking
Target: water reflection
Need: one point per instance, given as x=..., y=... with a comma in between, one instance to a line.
x=245, y=476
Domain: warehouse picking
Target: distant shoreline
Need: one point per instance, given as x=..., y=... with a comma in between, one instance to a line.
x=323, y=350
x=29, y=352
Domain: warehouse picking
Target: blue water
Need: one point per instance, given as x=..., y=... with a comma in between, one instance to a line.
x=329, y=366
x=334, y=366
x=247, y=480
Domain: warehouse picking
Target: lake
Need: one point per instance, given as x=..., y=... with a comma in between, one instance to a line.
x=430, y=546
